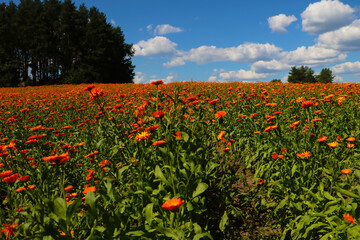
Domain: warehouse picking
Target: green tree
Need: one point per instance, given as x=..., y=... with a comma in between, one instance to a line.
x=325, y=76
x=54, y=42
x=275, y=81
x=304, y=74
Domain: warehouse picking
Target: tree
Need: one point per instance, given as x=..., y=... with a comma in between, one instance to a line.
x=304, y=74
x=275, y=81
x=54, y=42
x=325, y=76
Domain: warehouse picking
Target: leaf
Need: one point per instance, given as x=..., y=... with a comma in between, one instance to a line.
x=185, y=136
x=281, y=205
x=346, y=192
x=90, y=199
x=202, y=235
x=159, y=174
x=201, y=187
x=328, y=196
x=293, y=170
x=60, y=208
x=72, y=208
x=149, y=214
x=223, y=222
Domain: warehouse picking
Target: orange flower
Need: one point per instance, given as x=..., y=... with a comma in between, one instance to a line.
x=307, y=104
x=89, y=189
x=143, y=136
x=349, y=218
x=89, y=88
x=24, y=178
x=221, y=135
x=350, y=139
x=322, y=139
x=159, y=114
x=68, y=188
x=158, y=82
x=274, y=156
x=260, y=181
x=6, y=173
x=305, y=154
x=172, y=204
x=11, y=178
x=220, y=114
x=20, y=189
x=178, y=135
x=333, y=144
x=91, y=154
x=346, y=171
x=9, y=230
x=159, y=143
x=350, y=145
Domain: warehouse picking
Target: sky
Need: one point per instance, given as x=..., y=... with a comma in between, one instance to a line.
x=232, y=40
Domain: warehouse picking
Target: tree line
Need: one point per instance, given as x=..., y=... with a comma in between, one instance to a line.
x=305, y=74
x=54, y=42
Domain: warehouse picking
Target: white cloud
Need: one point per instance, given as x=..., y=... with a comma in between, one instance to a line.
x=279, y=22
x=346, y=38
x=325, y=16
x=165, y=29
x=141, y=77
x=112, y=21
x=155, y=46
x=313, y=56
x=348, y=67
x=227, y=76
x=149, y=27
x=247, y=52
x=269, y=66
x=338, y=79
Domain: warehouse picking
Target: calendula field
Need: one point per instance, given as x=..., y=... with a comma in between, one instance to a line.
x=180, y=161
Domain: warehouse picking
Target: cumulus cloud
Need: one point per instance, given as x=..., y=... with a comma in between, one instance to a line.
x=346, y=38
x=227, y=76
x=313, y=56
x=165, y=29
x=155, y=46
x=269, y=66
x=248, y=52
x=325, y=16
x=141, y=77
x=279, y=22
x=348, y=67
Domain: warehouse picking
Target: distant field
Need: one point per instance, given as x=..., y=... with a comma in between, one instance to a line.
x=180, y=161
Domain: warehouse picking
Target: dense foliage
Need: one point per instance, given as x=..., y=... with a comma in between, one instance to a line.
x=305, y=74
x=53, y=42
x=180, y=161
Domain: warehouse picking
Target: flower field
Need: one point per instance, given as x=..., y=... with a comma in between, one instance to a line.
x=180, y=161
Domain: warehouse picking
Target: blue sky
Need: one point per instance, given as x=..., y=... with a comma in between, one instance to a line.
x=232, y=40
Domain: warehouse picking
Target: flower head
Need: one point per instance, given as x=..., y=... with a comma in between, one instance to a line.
x=158, y=82
x=220, y=114
x=9, y=230
x=172, y=204
x=307, y=104
x=333, y=144
x=349, y=218
x=346, y=171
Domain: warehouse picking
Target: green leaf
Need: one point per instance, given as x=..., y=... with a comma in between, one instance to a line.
x=159, y=174
x=149, y=214
x=224, y=221
x=281, y=205
x=293, y=170
x=201, y=187
x=60, y=208
x=185, y=136
x=346, y=192
x=90, y=199
x=72, y=209
x=328, y=196
x=202, y=235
